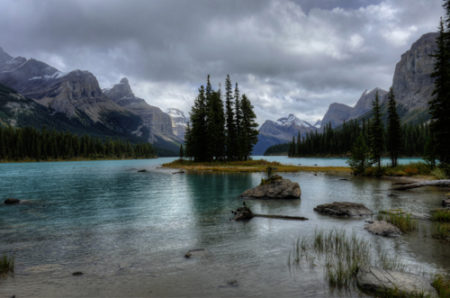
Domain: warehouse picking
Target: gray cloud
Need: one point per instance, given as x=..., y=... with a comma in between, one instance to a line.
x=288, y=56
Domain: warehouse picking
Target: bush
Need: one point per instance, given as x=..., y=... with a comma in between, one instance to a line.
x=439, y=173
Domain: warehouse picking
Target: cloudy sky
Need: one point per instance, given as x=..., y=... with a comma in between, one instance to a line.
x=293, y=56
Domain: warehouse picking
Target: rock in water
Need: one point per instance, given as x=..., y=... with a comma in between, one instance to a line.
x=277, y=188
x=243, y=213
x=343, y=209
x=383, y=282
x=11, y=201
x=446, y=203
x=382, y=228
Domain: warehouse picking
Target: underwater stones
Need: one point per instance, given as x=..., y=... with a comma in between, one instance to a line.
x=343, y=209
x=382, y=228
x=243, y=213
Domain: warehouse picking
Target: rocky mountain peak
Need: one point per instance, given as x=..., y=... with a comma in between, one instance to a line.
x=120, y=91
x=4, y=57
x=291, y=120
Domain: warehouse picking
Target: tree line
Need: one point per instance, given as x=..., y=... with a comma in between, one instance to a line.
x=31, y=144
x=339, y=141
x=219, y=131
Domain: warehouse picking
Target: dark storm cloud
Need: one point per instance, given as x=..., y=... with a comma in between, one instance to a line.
x=289, y=56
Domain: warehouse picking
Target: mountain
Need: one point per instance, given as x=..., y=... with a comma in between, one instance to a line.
x=412, y=84
x=77, y=96
x=179, y=122
x=280, y=131
x=156, y=124
x=338, y=113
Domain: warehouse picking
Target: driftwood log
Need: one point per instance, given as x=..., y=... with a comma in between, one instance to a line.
x=441, y=183
x=244, y=213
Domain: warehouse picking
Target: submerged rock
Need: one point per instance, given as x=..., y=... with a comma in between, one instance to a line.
x=12, y=201
x=343, y=209
x=274, y=188
x=195, y=252
x=446, y=203
x=382, y=228
x=142, y=171
x=77, y=273
x=178, y=172
x=393, y=283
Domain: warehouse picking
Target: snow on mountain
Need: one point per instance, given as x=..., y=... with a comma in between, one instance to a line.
x=179, y=122
x=292, y=120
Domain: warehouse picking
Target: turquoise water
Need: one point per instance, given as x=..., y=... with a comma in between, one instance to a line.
x=128, y=231
x=331, y=162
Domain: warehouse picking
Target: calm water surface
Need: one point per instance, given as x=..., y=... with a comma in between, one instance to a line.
x=128, y=231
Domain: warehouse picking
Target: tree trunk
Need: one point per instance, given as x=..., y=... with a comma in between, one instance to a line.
x=441, y=183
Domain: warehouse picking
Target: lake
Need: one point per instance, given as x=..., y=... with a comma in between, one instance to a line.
x=128, y=231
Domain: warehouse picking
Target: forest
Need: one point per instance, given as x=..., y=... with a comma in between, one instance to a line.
x=219, y=132
x=22, y=144
x=339, y=141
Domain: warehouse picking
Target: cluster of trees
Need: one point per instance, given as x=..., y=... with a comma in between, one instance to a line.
x=32, y=144
x=410, y=140
x=218, y=131
x=440, y=103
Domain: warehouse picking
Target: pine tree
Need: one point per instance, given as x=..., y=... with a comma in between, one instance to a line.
x=358, y=160
x=215, y=124
x=440, y=103
x=181, y=152
x=198, y=135
x=376, y=133
x=394, y=129
x=238, y=122
x=249, y=127
x=230, y=128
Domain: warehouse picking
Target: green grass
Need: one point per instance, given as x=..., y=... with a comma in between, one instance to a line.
x=441, y=215
x=441, y=231
x=6, y=265
x=341, y=255
x=442, y=285
x=411, y=169
x=399, y=218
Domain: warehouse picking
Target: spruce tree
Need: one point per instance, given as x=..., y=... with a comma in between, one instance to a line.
x=181, y=152
x=249, y=127
x=198, y=134
x=358, y=160
x=230, y=127
x=440, y=102
x=215, y=124
x=238, y=122
x=394, y=129
x=376, y=133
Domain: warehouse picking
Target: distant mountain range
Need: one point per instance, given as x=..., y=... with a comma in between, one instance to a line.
x=40, y=94
x=412, y=84
x=281, y=131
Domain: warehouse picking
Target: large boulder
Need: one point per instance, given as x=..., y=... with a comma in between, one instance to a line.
x=393, y=283
x=382, y=228
x=274, y=188
x=343, y=209
x=243, y=213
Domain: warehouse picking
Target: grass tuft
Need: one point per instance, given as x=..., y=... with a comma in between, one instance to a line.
x=399, y=218
x=441, y=215
x=6, y=265
x=442, y=285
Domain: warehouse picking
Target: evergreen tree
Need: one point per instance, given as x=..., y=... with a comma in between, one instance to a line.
x=440, y=103
x=291, y=151
x=376, y=133
x=358, y=160
x=199, y=134
x=249, y=127
x=215, y=124
x=394, y=129
x=238, y=122
x=230, y=127
x=181, y=151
